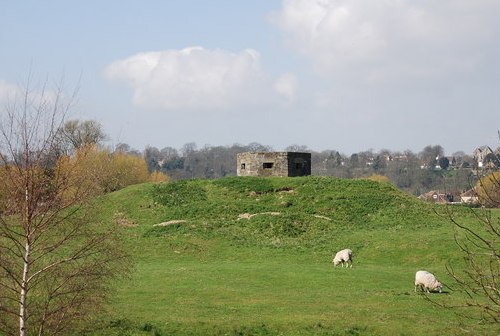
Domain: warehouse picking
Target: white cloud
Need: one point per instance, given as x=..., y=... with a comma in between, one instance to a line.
x=194, y=78
x=38, y=95
x=381, y=40
x=287, y=85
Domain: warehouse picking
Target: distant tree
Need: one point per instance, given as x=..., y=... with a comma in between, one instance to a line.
x=460, y=179
x=153, y=158
x=125, y=148
x=332, y=161
x=76, y=134
x=388, y=154
x=339, y=159
x=173, y=164
x=457, y=159
x=170, y=160
x=444, y=162
x=354, y=161
x=188, y=148
x=411, y=158
x=379, y=163
x=430, y=154
x=122, y=147
x=257, y=147
x=366, y=158
x=169, y=153
x=491, y=161
x=297, y=148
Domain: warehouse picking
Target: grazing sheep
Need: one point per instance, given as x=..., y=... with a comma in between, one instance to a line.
x=427, y=281
x=343, y=257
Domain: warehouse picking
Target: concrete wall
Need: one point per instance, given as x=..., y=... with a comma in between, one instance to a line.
x=273, y=164
x=299, y=164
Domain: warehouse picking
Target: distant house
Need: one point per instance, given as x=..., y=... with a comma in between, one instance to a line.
x=480, y=155
x=469, y=197
x=273, y=164
x=436, y=197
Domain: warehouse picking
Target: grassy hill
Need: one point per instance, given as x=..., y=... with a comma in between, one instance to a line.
x=252, y=256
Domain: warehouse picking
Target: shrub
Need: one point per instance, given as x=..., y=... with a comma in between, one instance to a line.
x=488, y=190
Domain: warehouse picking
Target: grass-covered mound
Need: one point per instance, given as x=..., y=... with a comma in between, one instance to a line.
x=261, y=211
x=252, y=256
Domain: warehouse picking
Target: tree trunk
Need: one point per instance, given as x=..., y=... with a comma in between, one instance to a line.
x=24, y=292
x=26, y=260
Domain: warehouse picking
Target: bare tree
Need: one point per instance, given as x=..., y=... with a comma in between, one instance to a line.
x=74, y=134
x=297, y=148
x=430, y=154
x=55, y=261
x=479, y=275
x=478, y=239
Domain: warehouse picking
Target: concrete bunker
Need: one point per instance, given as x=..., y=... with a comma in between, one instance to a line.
x=273, y=164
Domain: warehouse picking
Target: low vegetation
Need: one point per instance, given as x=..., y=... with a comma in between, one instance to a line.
x=252, y=256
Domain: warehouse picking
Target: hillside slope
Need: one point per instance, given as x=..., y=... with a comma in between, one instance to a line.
x=252, y=256
x=261, y=210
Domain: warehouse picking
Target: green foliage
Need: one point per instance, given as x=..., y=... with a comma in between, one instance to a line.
x=246, y=184
x=444, y=162
x=258, y=211
x=488, y=189
x=261, y=330
x=159, y=231
x=125, y=327
x=178, y=193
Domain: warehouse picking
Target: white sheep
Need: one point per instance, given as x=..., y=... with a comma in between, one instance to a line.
x=343, y=257
x=427, y=281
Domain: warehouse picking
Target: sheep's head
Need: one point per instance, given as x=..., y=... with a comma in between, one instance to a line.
x=335, y=262
x=439, y=287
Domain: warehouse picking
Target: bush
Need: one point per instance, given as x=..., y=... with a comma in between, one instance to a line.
x=488, y=190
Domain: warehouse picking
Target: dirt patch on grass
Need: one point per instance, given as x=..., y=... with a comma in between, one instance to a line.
x=322, y=217
x=176, y=221
x=248, y=216
x=121, y=219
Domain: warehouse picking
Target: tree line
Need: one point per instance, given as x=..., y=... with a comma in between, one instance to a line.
x=412, y=172
x=415, y=173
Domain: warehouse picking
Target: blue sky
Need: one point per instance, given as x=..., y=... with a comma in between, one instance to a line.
x=328, y=74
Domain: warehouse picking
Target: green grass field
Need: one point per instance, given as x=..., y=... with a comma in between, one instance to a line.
x=252, y=256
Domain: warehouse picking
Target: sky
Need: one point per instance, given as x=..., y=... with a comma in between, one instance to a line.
x=345, y=75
